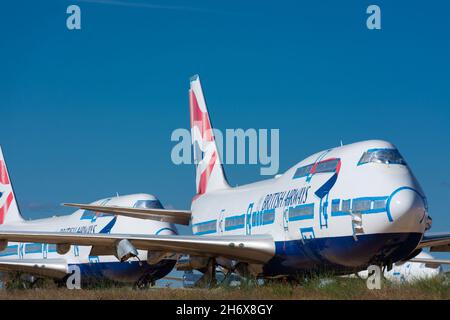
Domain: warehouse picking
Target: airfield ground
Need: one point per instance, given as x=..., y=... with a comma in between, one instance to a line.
x=318, y=289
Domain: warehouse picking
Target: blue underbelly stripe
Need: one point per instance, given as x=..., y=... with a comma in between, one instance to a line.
x=340, y=253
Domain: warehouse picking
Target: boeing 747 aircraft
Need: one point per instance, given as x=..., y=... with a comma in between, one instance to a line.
x=339, y=210
x=50, y=260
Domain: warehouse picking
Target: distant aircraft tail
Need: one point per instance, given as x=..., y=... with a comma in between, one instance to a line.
x=9, y=210
x=209, y=171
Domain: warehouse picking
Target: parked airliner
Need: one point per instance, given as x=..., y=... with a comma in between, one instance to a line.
x=96, y=263
x=340, y=210
x=422, y=267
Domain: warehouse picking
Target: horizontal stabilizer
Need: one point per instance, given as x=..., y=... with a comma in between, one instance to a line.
x=174, y=216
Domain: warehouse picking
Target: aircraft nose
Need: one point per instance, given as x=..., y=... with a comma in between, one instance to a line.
x=408, y=205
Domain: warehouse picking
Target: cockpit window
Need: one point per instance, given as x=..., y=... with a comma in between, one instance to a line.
x=384, y=156
x=149, y=204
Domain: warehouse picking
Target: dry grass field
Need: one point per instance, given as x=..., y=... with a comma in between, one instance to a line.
x=346, y=289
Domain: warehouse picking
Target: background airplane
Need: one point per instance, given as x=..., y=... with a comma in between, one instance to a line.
x=96, y=263
x=338, y=210
x=422, y=267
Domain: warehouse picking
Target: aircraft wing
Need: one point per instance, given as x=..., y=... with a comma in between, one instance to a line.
x=251, y=248
x=174, y=216
x=437, y=242
x=433, y=263
x=54, y=268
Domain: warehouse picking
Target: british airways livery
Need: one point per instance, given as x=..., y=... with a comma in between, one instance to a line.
x=338, y=210
x=95, y=263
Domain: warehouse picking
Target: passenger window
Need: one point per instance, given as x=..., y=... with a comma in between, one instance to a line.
x=300, y=212
x=330, y=165
x=207, y=227
x=268, y=216
x=335, y=206
x=303, y=171
x=379, y=204
x=234, y=222
x=327, y=166
x=361, y=205
x=346, y=205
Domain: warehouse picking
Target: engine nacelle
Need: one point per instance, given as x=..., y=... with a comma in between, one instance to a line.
x=3, y=245
x=125, y=250
x=62, y=248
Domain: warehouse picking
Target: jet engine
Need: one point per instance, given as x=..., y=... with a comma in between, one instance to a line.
x=125, y=250
x=62, y=248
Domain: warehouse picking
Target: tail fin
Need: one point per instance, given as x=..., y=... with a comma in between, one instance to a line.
x=9, y=210
x=209, y=171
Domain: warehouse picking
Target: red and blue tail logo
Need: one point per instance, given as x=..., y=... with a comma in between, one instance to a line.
x=6, y=196
x=209, y=171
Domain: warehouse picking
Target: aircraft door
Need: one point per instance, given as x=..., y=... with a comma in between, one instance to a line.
x=324, y=212
x=286, y=219
x=248, y=219
x=221, y=222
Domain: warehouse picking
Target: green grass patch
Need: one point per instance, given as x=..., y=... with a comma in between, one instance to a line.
x=317, y=288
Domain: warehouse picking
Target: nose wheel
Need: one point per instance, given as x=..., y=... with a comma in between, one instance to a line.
x=387, y=266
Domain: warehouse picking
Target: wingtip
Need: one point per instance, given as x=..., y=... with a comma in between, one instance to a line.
x=69, y=204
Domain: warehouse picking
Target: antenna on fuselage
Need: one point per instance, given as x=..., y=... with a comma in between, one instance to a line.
x=342, y=143
x=117, y=194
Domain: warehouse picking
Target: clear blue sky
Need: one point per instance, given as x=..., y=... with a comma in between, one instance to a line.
x=86, y=114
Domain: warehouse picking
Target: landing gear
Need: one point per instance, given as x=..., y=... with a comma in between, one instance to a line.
x=387, y=266
x=247, y=274
x=226, y=278
x=37, y=283
x=145, y=282
x=61, y=283
x=208, y=280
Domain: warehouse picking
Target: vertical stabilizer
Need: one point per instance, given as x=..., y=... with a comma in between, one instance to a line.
x=209, y=170
x=9, y=210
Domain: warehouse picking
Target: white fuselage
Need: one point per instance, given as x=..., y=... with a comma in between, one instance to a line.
x=83, y=221
x=333, y=209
